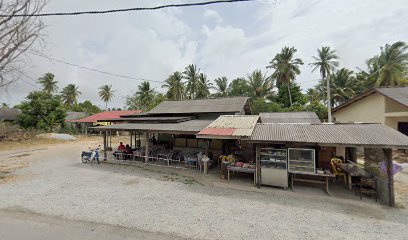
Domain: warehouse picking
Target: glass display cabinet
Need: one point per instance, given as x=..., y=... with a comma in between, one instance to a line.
x=301, y=160
x=273, y=164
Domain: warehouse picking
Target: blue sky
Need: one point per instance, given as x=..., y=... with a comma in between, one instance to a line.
x=223, y=40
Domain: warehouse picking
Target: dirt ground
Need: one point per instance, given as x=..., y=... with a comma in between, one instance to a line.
x=46, y=189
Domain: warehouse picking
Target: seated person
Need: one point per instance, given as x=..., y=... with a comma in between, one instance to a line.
x=128, y=151
x=121, y=147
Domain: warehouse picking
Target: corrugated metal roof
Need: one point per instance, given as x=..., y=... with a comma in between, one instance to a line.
x=326, y=134
x=214, y=105
x=9, y=114
x=399, y=94
x=289, y=117
x=150, y=119
x=105, y=115
x=192, y=126
x=231, y=125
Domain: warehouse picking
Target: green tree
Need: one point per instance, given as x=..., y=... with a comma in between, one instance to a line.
x=326, y=62
x=259, y=84
x=344, y=86
x=259, y=105
x=106, y=94
x=314, y=94
x=41, y=110
x=318, y=108
x=143, y=99
x=221, y=85
x=175, y=86
x=204, y=86
x=391, y=65
x=283, y=99
x=158, y=98
x=239, y=87
x=49, y=85
x=86, y=107
x=70, y=94
x=285, y=67
x=191, y=74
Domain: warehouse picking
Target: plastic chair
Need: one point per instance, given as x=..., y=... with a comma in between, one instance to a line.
x=337, y=171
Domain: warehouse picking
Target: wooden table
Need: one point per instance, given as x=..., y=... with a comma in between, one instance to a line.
x=353, y=170
x=242, y=169
x=325, y=180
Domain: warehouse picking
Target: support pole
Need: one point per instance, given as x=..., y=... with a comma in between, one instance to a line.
x=105, y=154
x=391, y=196
x=131, y=139
x=258, y=168
x=147, y=153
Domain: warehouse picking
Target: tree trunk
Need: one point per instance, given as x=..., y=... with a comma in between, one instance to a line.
x=106, y=106
x=290, y=95
x=329, y=115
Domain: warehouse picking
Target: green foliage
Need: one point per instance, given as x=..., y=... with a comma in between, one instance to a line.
x=86, y=107
x=239, y=87
x=106, y=94
x=260, y=105
x=144, y=99
x=191, y=74
x=326, y=61
x=221, y=85
x=318, y=108
x=41, y=110
x=69, y=94
x=259, y=85
x=204, y=86
x=48, y=83
x=175, y=86
x=283, y=98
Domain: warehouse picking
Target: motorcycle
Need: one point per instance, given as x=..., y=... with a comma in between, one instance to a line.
x=90, y=155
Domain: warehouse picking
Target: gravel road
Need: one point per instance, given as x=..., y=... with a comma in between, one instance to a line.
x=56, y=184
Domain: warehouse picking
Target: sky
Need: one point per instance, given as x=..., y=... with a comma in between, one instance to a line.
x=228, y=40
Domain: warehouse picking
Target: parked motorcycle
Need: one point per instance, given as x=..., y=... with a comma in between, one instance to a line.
x=90, y=155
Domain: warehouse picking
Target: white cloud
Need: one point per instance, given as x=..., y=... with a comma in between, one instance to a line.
x=154, y=44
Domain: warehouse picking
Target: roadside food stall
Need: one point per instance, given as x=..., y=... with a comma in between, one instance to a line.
x=287, y=153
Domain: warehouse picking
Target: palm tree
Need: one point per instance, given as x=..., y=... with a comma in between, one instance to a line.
x=344, y=86
x=286, y=68
x=326, y=63
x=106, y=94
x=145, y=95
x=221, y=85
x=203, y=87
x=175, y=86
x=191, y=74
x=48, y=83
x=391, y=64
x=70, y=94
x=259, y=84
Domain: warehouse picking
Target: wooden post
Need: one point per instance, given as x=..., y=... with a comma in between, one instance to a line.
x=131, y=139
x=105, y=154
x=390, y=176
x=86, y=128
x=147, y=153
x=258, y=167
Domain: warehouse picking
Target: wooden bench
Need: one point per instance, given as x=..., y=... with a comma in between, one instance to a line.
x=321, y=178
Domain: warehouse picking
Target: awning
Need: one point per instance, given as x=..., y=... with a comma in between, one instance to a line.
x=230, y=127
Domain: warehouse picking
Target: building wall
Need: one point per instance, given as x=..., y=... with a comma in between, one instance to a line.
x=393, y=106
x=393, y=121
x=369, y=109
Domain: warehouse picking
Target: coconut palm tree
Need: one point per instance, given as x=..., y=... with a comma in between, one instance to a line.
x=175, y=86
x=221, y=85
x=392, y=64
x=69, y=94
x=326, y=63
x=285, y=67
x=145, y=95
x=344, y=86
x=106, y=94
x=203, y=87
x=48, y=83
x=259, y=84
x=191, y=74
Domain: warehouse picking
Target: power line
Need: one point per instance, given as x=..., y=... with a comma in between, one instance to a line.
x=91, y=69
x=94, y=12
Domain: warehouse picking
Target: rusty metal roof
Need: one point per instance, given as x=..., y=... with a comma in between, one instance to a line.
x=234, y=126
x=211, y=105
x=375, y=135
x=289, y=117
x=191, y=127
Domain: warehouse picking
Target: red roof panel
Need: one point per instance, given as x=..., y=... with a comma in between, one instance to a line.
x=217, y=131
x=105, y=116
